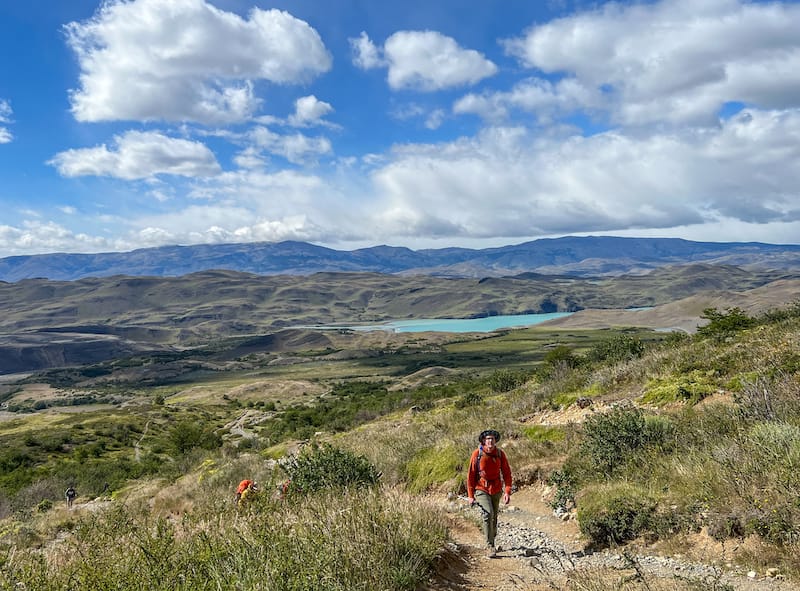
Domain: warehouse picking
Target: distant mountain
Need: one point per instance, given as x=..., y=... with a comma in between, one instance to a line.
x=575, y=256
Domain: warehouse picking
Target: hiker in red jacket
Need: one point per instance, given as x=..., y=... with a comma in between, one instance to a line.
x=489, y=479
x=246, y=488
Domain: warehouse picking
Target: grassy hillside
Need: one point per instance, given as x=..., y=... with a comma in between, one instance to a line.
x=645, y=436
x=56, y=324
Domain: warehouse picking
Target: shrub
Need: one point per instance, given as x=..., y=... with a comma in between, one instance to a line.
x=505, y=380
x=471, y=398
x=561, y=355
x=616, y=349
x=320, y=467
x=614, y=513
x=610, y=438
x=187, y=435
x=564, y=482
x=723, y=325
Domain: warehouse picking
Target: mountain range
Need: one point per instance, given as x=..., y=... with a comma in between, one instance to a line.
x=571, y=255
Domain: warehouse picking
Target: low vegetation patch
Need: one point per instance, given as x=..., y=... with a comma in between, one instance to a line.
x=433, y=466
x=351, y=540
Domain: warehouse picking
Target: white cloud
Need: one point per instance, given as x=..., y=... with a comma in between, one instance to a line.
x=185, y=60
x=542, y=97
x=5, y=118
x=297, y=148
x=35, y=236
x=735, y=182
x=435, y=119
x=423, y=60
x=510, y=182
x=428, y=61
x=675, y=61
x=309, y=110
x=250, y=158
x=365, y=54
x=139, y=155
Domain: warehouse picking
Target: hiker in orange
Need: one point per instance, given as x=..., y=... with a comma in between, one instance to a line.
x=489, y=480
x=246, y=488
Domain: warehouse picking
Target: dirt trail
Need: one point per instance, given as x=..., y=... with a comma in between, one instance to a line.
x=541, y=552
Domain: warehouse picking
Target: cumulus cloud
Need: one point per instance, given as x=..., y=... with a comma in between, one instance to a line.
x=185, y=60
x=139, y=155
x=511, y=182
x=365, y=53
x=36, y=236
x=297, y=148
x=309, y=110
x=541, y=97
x=675, y=61
x=5, y=118
x=423, y=60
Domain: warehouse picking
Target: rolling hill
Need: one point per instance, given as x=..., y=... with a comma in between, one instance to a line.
x=575, y=256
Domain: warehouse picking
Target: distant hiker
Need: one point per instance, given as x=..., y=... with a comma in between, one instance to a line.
x=246, y=488
x=70, y=495
x=489, y=479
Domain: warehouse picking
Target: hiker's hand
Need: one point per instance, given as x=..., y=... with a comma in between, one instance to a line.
x=506, y=498
x=471, y=500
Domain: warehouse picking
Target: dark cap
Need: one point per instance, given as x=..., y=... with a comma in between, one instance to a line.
x=488, y=432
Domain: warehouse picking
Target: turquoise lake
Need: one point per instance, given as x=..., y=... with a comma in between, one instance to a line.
x=487, y=324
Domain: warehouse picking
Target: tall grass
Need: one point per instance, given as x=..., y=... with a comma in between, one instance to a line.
x=347, y=539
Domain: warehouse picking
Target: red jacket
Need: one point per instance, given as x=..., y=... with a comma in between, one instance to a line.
x=243, y=485
x=492, y=476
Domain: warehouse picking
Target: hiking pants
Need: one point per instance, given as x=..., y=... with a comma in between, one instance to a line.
x=490, y=507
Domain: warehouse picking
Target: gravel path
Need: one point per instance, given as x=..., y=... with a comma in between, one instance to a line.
x=541, y=551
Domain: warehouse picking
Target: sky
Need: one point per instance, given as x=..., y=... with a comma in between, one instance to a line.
x=423, y=123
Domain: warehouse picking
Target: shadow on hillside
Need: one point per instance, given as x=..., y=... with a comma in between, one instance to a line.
x=451, y=569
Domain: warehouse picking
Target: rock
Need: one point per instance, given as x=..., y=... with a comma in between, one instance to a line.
x=751, y=574
x=772, y=573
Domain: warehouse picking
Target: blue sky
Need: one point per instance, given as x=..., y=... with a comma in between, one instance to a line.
x=426, y=124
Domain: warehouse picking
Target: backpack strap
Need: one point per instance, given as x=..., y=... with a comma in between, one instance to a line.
x=478, y=470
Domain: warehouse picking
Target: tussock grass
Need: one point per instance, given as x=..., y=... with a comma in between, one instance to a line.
x=340, y=540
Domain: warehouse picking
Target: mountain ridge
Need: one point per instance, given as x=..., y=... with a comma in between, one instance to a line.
x=582, y=256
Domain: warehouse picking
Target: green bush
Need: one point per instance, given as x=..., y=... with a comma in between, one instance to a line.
x=614, y=513
x=561, y=355
x=319, y=467
x=616, y=349
x=610, y=438
x=471, y=398
x=505, y=380
x=723, y=325
x=564, y=482
x=188, y=435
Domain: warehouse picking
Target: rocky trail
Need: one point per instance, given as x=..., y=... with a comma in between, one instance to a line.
x=541, y=551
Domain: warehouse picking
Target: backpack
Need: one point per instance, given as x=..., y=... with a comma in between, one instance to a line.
x=500, y=457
